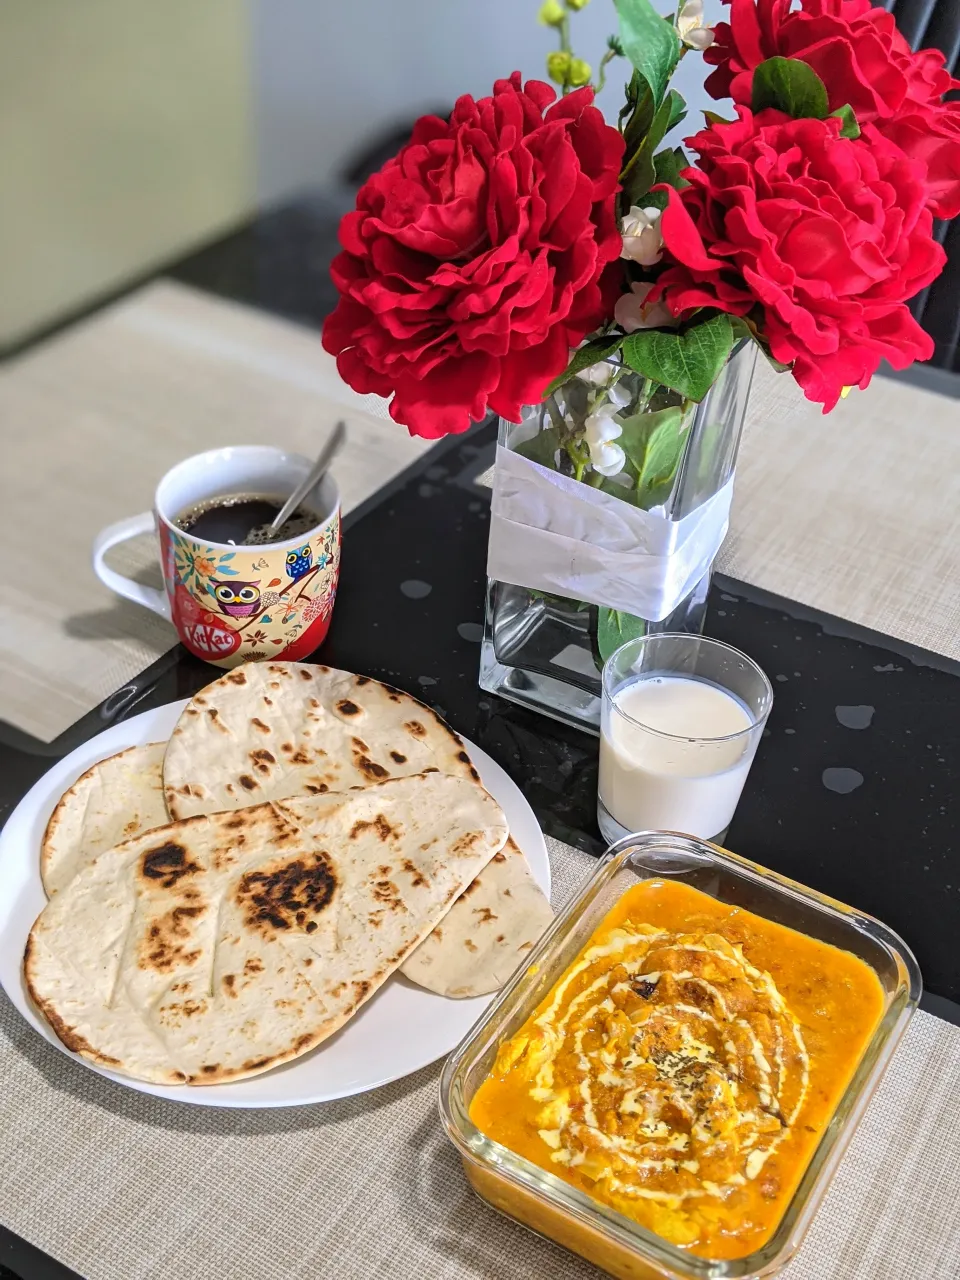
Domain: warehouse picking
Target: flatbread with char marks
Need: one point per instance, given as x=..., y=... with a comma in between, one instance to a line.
x=114, y=800
x=219, y=946
x=488, y=931
x=270, y=730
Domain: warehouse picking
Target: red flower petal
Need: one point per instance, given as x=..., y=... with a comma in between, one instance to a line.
x=863, y=59
x=822, y=239
x=474, y=259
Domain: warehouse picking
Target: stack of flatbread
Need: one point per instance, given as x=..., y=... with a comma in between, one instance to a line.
x=224, y=902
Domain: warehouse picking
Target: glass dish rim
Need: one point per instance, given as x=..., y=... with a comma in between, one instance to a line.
x=475, y=1146
x=756, y=722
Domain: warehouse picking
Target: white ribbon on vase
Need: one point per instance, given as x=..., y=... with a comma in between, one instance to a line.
x=551, y=533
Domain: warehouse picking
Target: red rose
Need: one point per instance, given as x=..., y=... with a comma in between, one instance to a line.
x=475, y=259
x=863, y=60
x=828, y=235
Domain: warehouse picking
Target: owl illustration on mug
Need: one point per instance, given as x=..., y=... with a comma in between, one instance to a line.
x=299, y=562
x=237, y=599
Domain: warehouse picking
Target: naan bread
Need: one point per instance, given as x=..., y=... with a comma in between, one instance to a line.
x=113, y=801
x=266, y=731
x=486, y=933
x=218, y=947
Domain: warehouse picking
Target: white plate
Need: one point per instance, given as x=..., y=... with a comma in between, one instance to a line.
x=402, y=1028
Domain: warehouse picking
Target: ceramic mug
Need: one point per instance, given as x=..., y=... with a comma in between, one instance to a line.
x=233, y=604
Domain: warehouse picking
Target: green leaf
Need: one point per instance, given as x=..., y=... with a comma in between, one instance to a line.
x=541, y=448
x=656, y=200
x=650, y=42
x=791, y=86
x=667, y=165
x=590, y=353
x=711, y=117
x=631, y=92
x=678, y=109
x=615, y=628
x=641, y=173
x=654, y=445
x=639, y=108
x=619, y=491
x=664, y=450
x=637, y=430
x=687, y=362
x=850, y=126
x=639, y=123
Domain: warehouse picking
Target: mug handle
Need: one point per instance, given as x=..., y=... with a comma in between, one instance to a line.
x=123, y=531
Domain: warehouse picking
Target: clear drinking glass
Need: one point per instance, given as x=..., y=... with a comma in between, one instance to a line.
x=681, y=718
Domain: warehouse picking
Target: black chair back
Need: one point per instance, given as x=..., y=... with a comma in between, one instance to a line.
x=935, y=24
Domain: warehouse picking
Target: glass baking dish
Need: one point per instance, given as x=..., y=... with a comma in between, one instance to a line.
x=551, y=1207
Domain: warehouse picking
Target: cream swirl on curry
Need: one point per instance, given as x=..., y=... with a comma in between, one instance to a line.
x=670, y=1074
x=688, y=1065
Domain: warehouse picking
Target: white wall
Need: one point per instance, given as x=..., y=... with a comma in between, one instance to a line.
x=328, y=74
x=125, y=139
x=127, y=132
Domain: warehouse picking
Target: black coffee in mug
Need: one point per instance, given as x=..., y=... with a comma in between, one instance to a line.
x=243, y=519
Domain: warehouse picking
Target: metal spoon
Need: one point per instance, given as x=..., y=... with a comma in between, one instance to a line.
x=312, y=479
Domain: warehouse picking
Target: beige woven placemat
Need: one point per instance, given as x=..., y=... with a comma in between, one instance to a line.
x=855, y=512
x=122, y=1186
x=91, y=420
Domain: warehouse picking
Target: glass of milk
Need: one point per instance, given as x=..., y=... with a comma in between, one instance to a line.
x=681, y=719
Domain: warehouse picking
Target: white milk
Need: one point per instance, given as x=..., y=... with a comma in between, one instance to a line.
x=650, y=782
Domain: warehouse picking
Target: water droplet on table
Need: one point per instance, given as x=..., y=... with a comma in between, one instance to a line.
x=842, y=781
x=414, y=589
x=470, y=631
x=858, y=717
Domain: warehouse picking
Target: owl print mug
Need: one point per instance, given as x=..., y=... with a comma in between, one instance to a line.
x=233, y=604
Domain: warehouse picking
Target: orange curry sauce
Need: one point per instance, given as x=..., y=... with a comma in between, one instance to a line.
x=685, y=1066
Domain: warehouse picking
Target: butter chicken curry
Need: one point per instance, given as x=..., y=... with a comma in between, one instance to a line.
x=685, y=1066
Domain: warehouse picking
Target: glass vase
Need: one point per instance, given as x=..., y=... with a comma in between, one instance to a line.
x=544, y=649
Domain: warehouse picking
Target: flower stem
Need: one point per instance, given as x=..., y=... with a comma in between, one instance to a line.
x=602, y=77
x=557, y=417
x=580, y=461
x=565, y=47
x=646, y=394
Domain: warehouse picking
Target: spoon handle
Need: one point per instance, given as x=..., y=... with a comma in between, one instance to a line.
x=314, y=476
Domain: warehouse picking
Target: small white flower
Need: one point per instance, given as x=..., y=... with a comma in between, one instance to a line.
x=692, y=29
x=620, y=395
x=642, y=237
x=633, y=312
x=609, y=459
x=600, y=432
x=598, y=375
x=600, y=426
